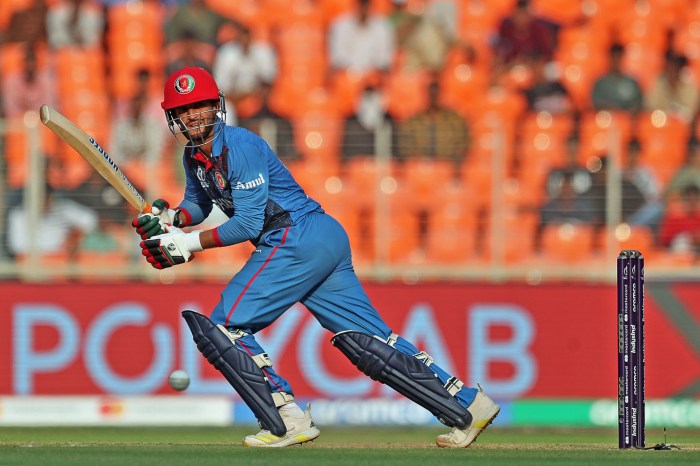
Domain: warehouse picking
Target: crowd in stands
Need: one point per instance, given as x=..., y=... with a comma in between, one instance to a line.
x=479, y=125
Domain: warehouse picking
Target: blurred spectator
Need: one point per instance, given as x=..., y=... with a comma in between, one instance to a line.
x=644, y=178
x=437, y=132
x=419, y=37
x=271, y=126
x=75, y=23
x=361, y=41
x=112, y=211
x=680, y=228
x=186, y=53
x=360, y=129
x=566, y=204
x=60, y=227
x=616, y=90
x=523, y=37
x=29, y=87
x=581, y=179
x=632, y=198
x=152, y=108
x=242, y=65
x=688, y=174
x=547, y=93
x=675, y=90
x=27, y=25
x=193, y=19
x=444, y=13
x=137, y=142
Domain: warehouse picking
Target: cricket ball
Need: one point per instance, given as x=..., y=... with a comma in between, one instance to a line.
x=179, y=380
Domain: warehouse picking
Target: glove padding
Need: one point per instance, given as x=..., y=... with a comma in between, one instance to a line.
x=158, y=221
x=161, y=208
x=172, y=248
x=148, y=226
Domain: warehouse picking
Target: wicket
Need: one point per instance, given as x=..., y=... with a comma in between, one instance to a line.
x=630, y=349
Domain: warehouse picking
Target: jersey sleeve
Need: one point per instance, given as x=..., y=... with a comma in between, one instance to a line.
x=248, y=175
x=196, y=204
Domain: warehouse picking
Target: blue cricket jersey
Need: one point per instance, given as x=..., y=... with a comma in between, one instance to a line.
x=301, y=254
x=248, y=182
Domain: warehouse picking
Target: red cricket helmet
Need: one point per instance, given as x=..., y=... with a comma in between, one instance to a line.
x=188, y=85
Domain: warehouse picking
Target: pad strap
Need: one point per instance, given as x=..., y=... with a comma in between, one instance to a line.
x=404, y=373
x=239, y=369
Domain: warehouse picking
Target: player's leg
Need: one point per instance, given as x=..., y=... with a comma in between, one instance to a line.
x=342, y=306
x=248, y=369
x=275, y=277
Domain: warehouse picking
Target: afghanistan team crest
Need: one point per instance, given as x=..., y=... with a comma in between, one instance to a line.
x=220, y=180
x=184, y=84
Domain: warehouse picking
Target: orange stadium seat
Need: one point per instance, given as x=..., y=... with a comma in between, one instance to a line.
x=318, y=128
x=251, y=13
x=557, y=11
x=599, y=131
x=406, y=93
x=134, y=40
x=347, y=87
x=542, y=146
x=492, y=135
x=543, y=137
x=512, y=241
x=498, y=101
x=80, y=69
x=625, y=236
x=426, y=178
x=401, y=237
x=366, y=178
x=567, y=243
x=643, y=63
x=300, y=35
x=452, y=233
x=12, y=57
x=479, y=21
x=686, y=39
x=313, y=175
x=645, y=23
x=461, y=83
x=8, y=8
x=477, y=175
x=582, y=55
x=663, y=140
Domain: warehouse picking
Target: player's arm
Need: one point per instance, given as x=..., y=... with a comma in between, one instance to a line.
x=195, y=207
x=249, y=189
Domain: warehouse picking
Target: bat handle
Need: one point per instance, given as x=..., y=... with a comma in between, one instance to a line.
x=146, y=209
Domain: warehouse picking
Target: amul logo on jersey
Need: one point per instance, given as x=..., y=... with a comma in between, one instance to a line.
x=250, y=184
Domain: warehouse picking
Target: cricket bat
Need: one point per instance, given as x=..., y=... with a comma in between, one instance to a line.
x=95, y=155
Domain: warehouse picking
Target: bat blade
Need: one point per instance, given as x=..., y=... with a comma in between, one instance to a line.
x=94, y=154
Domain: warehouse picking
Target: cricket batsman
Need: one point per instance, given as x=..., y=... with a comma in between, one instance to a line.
x=301, y=254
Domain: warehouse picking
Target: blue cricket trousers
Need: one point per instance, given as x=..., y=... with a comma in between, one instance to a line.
x=309, y=262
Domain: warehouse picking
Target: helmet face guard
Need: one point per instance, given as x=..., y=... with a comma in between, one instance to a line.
x=206, y=131
x=188, y=86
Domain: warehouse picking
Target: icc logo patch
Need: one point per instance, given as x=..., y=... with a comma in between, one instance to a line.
x=184, y=84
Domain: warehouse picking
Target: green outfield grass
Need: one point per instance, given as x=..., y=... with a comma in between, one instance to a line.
x=336, y=446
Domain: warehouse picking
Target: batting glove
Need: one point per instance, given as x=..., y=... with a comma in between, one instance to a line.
x=158, y=221
x=173, y=248
x=161, y=208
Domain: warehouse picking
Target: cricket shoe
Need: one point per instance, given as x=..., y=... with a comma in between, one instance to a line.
x=300, y=429
x=483, y=411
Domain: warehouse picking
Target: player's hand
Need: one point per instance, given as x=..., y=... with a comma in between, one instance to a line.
x=173, y=248
x=148, y=226
x=161, y=208
x=158, y=221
